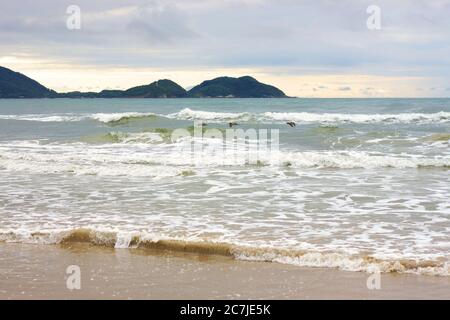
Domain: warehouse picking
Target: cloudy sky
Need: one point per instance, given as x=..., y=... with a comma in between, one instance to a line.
x=314, y=48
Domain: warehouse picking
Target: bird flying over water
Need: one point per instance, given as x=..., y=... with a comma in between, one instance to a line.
x=291, y=124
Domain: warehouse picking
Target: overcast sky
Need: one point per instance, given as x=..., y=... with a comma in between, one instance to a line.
x=315, y=48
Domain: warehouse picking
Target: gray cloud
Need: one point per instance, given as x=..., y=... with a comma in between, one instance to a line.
x=166, y=25
x=296, y=37
x=346, y=88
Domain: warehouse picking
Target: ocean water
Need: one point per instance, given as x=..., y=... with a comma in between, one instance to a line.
x=357, y=184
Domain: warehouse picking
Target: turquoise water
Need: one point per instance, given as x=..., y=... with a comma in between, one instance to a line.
x=357, y=184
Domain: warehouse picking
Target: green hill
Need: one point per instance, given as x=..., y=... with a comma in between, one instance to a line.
x=16, y=85
x=157, y=89
x=244, y=87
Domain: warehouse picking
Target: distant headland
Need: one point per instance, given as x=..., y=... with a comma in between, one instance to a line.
x=14, y=85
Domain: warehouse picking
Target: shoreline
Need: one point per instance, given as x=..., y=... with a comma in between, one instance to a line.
x=362, y=262
x=29, y=271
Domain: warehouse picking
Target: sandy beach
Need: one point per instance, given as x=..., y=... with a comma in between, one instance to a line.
x=39, y=272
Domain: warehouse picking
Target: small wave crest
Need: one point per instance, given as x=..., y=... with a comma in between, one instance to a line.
x=108, y=118
x=335, y=260
x=359, y=118
x=188, y=114
x=44, y=117
x=361, y=159
x=124, y=137
x=121, y=118
x=438, y=137
x=307, y=117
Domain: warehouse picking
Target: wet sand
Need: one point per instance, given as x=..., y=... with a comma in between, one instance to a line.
x=39, y=272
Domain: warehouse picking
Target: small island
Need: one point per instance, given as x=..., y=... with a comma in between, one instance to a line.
x=14, y=85
x=243, y=87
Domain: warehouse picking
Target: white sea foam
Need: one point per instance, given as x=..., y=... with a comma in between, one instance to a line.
x=350, y=263
x=161, y=160
x=111, y=169
x=44, y=117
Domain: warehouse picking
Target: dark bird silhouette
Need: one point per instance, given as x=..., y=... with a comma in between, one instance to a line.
x=291, y=124
x=232, y=124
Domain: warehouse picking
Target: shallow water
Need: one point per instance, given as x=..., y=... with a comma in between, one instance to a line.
x=358, y=184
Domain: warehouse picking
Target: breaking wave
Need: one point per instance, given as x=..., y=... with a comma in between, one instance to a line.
x=188, y=114
x=218, y=117
x=121, y=118
x=292, y=256
x=361, y=159
x=125, y=137
x=44, y=117
x=360, y=118
x=110, y=118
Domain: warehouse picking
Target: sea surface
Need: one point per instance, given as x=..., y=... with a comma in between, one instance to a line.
x=357, y=184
